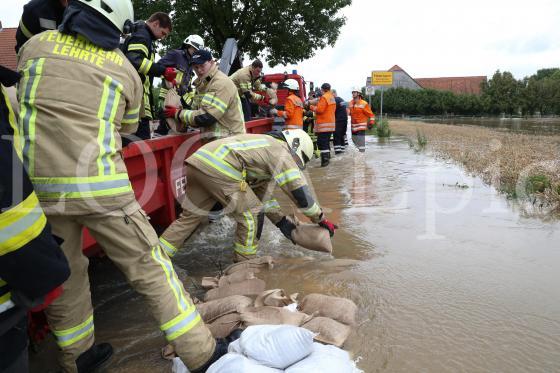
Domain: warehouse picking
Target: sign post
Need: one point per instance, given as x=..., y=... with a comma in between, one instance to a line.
x=382, y=78
x=370, y=91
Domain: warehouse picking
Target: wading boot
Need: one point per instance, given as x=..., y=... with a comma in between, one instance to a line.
x=94, y=358
x=325, y=157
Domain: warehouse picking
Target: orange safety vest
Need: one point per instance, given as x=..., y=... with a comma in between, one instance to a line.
x=361, y=114
x=325, y=121
x=293, y=112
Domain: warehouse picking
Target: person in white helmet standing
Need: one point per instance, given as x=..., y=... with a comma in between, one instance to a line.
x=78, y=94
x=180, y=59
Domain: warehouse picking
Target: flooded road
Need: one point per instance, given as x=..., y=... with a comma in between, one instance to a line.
x=448, y=275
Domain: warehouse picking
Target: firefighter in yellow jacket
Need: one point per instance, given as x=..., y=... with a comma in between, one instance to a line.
x=225, y=171
x=248, y=80
x=78, y=93
x=216, y=107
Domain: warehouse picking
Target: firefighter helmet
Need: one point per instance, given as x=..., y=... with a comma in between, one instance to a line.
x=356, y=89
x=292, y=84
x=300, y=145
x=118, y=12
x=194, y=41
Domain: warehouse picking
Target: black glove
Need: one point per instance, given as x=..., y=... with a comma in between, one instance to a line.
x=286, y=227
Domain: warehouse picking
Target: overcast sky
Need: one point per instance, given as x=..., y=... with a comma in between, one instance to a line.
x=429, y=38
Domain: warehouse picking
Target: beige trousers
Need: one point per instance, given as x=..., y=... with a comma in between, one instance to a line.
x=202, y=193
x=131, y=243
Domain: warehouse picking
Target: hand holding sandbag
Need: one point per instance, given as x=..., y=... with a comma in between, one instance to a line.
x=325, y=223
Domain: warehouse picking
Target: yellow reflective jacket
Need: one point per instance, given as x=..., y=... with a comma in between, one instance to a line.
x=245, y=82
x=75, y=99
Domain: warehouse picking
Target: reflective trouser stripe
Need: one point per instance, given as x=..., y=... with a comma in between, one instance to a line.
x=287, y=176
x=312, y=211
x=28, y=111
x=167, y=247
x=147, y=104
x=219, y=165
x=65, y=338
x=21, y=224
x=107, y=111
x=270, y=205
x=245, y=250
x=171, y=277
x=223, y=150
x=181, y=324
x=81, y=187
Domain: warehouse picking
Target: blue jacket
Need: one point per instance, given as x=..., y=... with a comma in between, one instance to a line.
x=179, y=59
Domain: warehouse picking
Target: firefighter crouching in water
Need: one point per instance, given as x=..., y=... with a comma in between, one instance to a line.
x=293, y=108
x=324, y=122
x=225, y=170
x=248, y=80
x=216, y=107
x=180, y=59
x=362, y=118
x=32, y=266
x=87, y=185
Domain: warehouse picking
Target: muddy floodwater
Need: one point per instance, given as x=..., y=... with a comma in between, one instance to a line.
x=448, y=275
x=541, y=126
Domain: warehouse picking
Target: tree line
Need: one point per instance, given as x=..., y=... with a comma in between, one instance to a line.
x=502, y=94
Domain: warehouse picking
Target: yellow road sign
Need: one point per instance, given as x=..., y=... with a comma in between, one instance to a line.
x=382, y=77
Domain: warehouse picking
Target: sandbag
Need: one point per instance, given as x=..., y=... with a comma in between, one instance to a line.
x=236, y=363
x=172, y=98
x=311, y=236
x=272, y=316
x=275, y=298
x=276, y=346
x=224, y=325
x=208, y=283
x=239, y=276
x=254, y=286
x=262, y=262
x=339, y=309
x=328, y=330
x=325, y=359
x=212, y=310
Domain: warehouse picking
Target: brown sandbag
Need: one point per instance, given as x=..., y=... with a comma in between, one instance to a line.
x=272, y=316
x=254, y=286
x=262, y=262
x=275, y=298
x=328, y=330
x=311, y=236
x=208, y=283
x=172, y=98
x=223, y=326
x=239, y=276
x=215, y=309
x=339, y=309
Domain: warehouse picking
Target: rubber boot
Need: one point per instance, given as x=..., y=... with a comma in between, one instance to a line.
x=94, y=358
x=325, y=158
x=220, y=350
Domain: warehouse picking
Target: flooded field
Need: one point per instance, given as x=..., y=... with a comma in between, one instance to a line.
x=448, y=274
x=542, y=126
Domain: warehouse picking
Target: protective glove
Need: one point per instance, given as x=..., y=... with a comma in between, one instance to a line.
x=328, y=226
x=171, y=112
x=286, y=227
x=170, y=74
x=273, y=111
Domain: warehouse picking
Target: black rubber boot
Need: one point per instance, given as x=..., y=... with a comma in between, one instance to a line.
x=94, y=358
x=325, y=158
x=220, y=350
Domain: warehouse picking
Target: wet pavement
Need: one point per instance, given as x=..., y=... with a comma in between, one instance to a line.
x=448, y=274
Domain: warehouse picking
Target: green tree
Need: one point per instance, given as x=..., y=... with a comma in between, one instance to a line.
x=502, y=93
x=281, y=31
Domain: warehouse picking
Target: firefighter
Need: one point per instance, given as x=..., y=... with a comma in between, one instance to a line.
x=362, y=118
x=324, y=122
x=293, y=108
x=248, y=80
x=72, y=152
x=216, y=106
x=341, y=124
x=39, y=16
x=140, y=50
x=32, y=266
x=226, y=170
x=180, y=59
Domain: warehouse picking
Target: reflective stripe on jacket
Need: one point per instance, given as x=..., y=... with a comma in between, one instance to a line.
x=38, y=16
x=244, y=81
x=293, y=112
x=361, y=114
x=325, y=110
x=75, y=99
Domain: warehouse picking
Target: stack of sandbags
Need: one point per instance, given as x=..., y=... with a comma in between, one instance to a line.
x=222, y=316
x=333, y=317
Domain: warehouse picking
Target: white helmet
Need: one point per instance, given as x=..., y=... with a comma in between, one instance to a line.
x=292, y=84
x=118, y=12
x=194, y=41
x=356, y=89
x=300, y=145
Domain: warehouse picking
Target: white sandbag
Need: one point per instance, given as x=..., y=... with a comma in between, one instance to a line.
x=325, y=359
x=236, y=363
x=276, y=346
x=179, y=366
x=235, y=347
